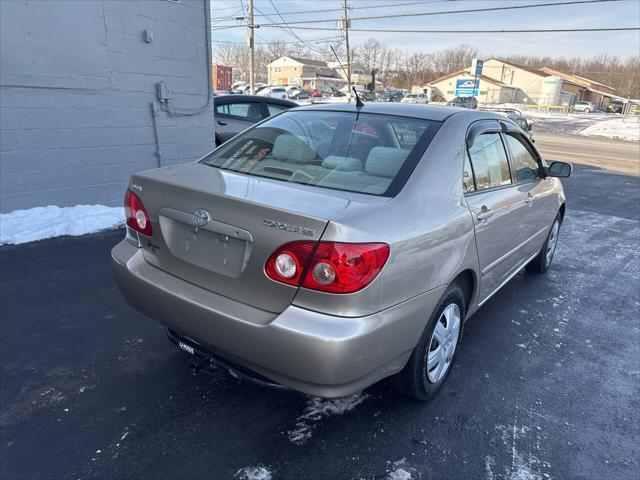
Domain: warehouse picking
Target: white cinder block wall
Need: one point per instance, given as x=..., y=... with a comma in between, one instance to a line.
x=77, y=84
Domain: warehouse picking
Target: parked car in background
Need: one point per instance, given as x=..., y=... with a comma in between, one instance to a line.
x=585, y=107
x=294, y=254
x=330, y=92
x=297, y=94
x=273, y=92
x=243, y=88
x=390, y=96
x=615, y=107
x=315, y=92
x=516, y=116
x=367, y=95
x=464, y=102
x=415, y=98
x=235, y=113
x=217, y=93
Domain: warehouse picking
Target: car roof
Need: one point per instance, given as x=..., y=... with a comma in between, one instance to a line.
x=437, y=113
x=247, y=98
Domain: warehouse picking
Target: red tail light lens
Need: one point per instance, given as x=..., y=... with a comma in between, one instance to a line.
x=287, y=263
x=137, y=217
x=345, y=267
x=334, y=267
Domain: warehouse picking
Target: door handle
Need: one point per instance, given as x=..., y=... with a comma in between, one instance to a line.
x=221, y=123
x=484, y=214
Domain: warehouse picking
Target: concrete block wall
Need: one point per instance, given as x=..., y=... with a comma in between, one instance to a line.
x=77, y=80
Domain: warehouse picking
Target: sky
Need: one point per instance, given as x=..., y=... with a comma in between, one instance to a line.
x=625, y=13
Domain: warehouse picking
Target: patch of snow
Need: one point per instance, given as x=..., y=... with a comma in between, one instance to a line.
x=317, y=409
x=588, y=124
x=489, y=463
x=401, y=470
x=253, y=473
x=22, y=226
x=399, y=474
x=621, y=128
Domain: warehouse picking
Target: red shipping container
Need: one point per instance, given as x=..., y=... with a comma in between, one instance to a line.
x=221, y=77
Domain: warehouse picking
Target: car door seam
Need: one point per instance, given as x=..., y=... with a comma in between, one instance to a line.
x=498, y=261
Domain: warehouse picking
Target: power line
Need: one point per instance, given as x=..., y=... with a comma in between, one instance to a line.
x=521, y=30
x=274, y=41
x=301, y=12
x=450, y=12
x=289, y=31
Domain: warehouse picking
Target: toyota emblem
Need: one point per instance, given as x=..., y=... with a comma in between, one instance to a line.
x=201, y=217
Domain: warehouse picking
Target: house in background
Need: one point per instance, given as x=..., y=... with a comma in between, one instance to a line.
x=307, y=73
x=303, y=72
x=359, y=75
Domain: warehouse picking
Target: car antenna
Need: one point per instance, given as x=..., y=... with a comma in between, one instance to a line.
x=359, y=103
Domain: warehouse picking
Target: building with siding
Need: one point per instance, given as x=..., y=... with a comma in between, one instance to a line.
x=92, y=91
x=507, y=82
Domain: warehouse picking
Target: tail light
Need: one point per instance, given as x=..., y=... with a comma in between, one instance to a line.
x=333, y=267
x=286, y=264
x=137, y=216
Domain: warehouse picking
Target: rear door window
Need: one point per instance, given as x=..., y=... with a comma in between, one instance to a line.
x=245, y=110
x=366, y=153
x=275, y=108
x=489, y=160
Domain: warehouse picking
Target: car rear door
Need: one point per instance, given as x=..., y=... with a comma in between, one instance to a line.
x=234, y=116
x=495, y=203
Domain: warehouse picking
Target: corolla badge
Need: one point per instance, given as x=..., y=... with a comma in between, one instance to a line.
x=289, y=228
x=201, y=217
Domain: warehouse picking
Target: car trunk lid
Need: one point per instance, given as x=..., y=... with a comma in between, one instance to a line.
x=216, y=229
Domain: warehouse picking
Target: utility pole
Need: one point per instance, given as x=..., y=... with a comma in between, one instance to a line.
x=346, y=37
x=251, y=26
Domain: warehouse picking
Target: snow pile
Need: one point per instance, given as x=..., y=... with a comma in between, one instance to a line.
x=621, y=128
x=21, y=226
x=317, y=409
x=598, y=124
x=253, y=473
x=399, y=474
x=400, y=470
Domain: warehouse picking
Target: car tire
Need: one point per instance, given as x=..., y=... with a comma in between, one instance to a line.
x=421, y=377
x=587, y=110
x=543, y=260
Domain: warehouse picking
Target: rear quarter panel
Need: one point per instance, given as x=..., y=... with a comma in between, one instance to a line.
x=427, y=225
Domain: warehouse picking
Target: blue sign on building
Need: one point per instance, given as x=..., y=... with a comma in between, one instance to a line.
x=476, y=67
x=467, y=88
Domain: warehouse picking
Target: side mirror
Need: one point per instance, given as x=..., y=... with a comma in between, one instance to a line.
x=559, y=169
x=529, y=125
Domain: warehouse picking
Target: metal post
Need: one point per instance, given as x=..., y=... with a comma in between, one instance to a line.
x=346, y=37
x=251, y=52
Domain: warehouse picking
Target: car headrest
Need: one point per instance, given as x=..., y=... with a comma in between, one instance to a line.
x=343, y=163
x=385, y=161
x=290, y=148
x=254, y=111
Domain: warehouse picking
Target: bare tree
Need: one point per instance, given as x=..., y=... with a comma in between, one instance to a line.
x=397, y=68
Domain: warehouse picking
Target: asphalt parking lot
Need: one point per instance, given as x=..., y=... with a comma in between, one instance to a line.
x=546, y=384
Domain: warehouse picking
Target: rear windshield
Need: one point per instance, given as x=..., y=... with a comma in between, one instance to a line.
x=365, y=153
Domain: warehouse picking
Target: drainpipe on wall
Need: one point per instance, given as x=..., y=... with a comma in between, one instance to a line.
x=156, y=134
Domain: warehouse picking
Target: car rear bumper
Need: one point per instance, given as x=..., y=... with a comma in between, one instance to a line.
x=318, y=354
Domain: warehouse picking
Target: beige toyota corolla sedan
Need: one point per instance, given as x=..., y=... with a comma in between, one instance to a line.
x=331, y=246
